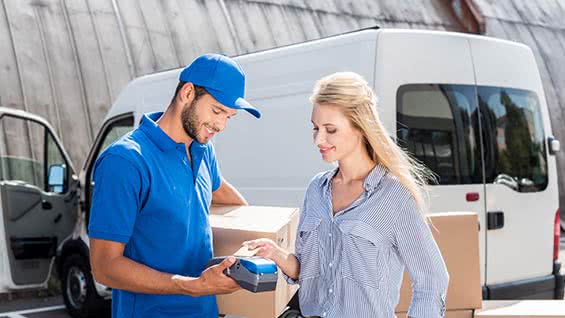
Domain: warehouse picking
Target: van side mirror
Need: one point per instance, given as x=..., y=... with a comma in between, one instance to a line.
x=56, y=178
x=554, y=145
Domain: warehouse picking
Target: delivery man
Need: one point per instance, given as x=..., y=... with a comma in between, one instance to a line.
x=149, y=232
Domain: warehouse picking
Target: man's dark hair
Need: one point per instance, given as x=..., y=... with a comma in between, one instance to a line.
x=199, y=91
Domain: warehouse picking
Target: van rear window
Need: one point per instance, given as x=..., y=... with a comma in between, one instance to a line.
x=515, y=152
x=439, y=125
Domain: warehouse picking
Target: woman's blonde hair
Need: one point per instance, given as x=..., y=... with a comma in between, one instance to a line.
x=351, y=93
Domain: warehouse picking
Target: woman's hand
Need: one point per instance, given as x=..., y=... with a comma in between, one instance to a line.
x=266, y=248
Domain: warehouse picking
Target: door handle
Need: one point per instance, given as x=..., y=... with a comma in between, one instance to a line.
x=46, y=205
x=58, y=218
x=495, y=220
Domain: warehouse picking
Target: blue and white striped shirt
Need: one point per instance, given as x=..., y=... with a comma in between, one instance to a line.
x=351, y=264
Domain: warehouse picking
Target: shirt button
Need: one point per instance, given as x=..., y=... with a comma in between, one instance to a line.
x=331, y=264
x=324, y=314
x=331, y=290
x=330, y=234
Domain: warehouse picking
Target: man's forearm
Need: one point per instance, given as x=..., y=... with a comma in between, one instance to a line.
x=234, y=198
x=228, y=195
x=126, y=274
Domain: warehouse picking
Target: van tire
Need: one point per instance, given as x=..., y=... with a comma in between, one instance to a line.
x=79, y=291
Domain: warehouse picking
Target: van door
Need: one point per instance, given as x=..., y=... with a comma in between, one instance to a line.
x=38, y=194
x=520, y=222
x=521, y=191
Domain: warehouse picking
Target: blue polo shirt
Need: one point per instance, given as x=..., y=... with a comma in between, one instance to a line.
x=149, y=196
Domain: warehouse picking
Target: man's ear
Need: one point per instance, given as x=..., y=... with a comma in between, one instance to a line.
x=186, y=93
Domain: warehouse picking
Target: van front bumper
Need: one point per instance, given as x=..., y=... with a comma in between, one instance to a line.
x=545, y=287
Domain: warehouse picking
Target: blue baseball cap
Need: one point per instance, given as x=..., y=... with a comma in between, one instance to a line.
x=222, y=77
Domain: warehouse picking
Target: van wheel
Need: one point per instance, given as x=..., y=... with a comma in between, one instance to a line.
x=79, y=293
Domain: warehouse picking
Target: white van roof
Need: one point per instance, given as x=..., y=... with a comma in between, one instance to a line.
x=153, y=92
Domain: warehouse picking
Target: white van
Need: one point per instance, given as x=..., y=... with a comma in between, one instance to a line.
x=472, y=108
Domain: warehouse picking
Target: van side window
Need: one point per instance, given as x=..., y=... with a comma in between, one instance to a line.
x=515, y=152
x=57, y=170
x=438, y=124
x=22, y=151
x=115, y=132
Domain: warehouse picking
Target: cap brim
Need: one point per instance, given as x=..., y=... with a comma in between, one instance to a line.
x=234, y=102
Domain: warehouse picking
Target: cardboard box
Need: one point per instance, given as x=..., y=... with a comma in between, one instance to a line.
x=232, y=225
x=448, y=314
x=457, y=235
x=522, y=308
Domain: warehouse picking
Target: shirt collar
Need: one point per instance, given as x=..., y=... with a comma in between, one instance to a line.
x=160, y=138
x=155, y=133
x=374, y=178
x=370, y=184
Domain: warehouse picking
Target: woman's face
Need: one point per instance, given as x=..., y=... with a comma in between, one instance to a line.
x=333, y=134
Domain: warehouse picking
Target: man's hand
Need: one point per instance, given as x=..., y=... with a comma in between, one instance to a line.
x=212, y=281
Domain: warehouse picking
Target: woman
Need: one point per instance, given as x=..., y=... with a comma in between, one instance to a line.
x=362, y=222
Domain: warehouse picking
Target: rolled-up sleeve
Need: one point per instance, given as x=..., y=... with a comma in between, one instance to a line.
x=424, y=263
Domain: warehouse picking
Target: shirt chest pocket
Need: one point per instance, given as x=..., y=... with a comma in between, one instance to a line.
x=309, y=252
x=363, y=254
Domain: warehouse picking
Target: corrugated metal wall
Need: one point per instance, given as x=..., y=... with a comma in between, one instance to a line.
x=539, y=24
x=67, y=60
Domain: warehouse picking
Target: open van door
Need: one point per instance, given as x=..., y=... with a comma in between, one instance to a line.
x=38, y=198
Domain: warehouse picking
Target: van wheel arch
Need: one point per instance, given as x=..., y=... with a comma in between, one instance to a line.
x=77, y=283
x=71, y=247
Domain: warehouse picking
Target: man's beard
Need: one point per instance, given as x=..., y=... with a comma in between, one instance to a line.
x=190, y=122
